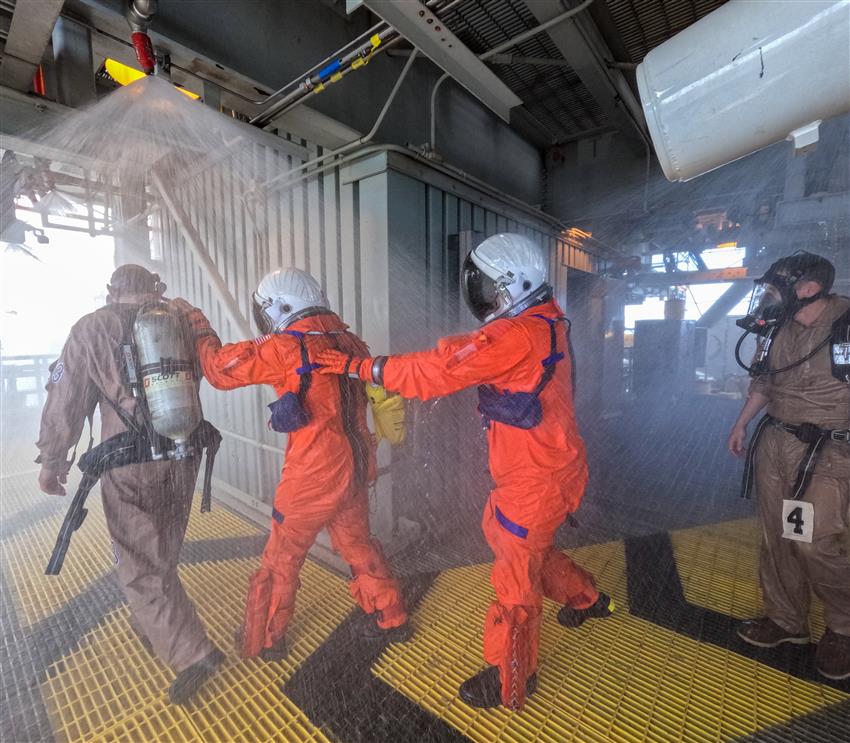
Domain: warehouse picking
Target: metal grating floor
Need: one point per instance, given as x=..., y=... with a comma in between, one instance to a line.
x=665, y=667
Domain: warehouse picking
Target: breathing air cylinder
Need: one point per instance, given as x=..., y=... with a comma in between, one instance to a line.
x=167, y=369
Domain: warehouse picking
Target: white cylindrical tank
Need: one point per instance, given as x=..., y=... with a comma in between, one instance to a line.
x=167, y=370
x=742, y=78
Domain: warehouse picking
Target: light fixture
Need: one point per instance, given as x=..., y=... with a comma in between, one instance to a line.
x=124, y=75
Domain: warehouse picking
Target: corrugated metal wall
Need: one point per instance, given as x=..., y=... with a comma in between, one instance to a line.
x=368, y=234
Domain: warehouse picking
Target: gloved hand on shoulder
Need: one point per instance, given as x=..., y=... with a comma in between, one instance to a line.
x=337, y=362
x=194, y=318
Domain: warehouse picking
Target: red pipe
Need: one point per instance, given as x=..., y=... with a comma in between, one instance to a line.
x=38, y=85
x=144, y=51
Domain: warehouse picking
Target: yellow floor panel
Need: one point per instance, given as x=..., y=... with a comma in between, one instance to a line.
x=111, y=689
x=90, y=557
x=620, y=679
x=25, y=555
x=718, y=567
x=217, y=524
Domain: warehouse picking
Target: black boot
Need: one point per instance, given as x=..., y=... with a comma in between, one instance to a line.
x=190, y=679
x=276, y=652
x=371, y=632
x=569, y=617
x=484, y=689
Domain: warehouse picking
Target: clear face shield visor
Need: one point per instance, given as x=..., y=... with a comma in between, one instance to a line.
x=765, y=301
x=261, y=318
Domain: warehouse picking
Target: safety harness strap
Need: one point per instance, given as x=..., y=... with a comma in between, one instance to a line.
x=810, y=434
x=749, y=462
x=128, y=447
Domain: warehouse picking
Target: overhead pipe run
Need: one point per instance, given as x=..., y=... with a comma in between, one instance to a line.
x=139, y=14
x=746, y=76
x=355, y=143
x=354, y=55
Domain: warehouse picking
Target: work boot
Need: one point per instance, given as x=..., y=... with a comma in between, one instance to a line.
x=276, y=652
x=765, y=633
x=190, y=679
x=484, y=689
x=569, y=617
x=370, y=631
x=833, y=656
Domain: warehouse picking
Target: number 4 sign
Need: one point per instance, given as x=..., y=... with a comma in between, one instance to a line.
x=798, y=520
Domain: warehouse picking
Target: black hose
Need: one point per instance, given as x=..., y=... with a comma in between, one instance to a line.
x=797, y=363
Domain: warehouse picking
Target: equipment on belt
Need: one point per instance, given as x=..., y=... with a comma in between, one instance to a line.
x=289, y=411
x=521, y=409
x=809, y=434
x=388, y=414
x=774, y=301
x=129, y=447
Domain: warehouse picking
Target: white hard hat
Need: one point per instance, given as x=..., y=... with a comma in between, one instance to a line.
x=504, y=275
x=284, y=296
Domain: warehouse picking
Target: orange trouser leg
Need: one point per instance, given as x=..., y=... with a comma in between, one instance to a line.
x=272, y=589
x=372, y=585
x=567, y=583
x=512, y=626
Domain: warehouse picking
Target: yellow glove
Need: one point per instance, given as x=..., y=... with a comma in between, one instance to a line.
x=388, y=413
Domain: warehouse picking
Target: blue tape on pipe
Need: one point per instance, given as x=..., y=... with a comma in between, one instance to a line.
x=325, y=73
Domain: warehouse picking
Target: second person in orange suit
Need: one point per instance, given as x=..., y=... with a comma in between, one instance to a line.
x=537, y=456
x=330, y=458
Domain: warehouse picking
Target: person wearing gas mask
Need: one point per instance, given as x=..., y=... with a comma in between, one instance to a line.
x=329, y=462
x=520, y=358
x=146, y=503
x=798, y=459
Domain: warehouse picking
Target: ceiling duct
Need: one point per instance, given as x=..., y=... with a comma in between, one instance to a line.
x=744, y=77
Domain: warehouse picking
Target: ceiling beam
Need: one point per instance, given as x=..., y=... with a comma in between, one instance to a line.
x=29, y=33
x=429, y=34
x=581, y=44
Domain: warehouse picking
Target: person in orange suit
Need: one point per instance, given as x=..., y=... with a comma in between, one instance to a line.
x=329, y=464
x=537, y=456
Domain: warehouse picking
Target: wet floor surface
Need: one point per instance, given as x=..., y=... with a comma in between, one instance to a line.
x=667, y=666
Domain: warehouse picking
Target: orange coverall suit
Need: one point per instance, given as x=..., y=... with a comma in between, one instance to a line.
x=329, y=465
x=540, y=475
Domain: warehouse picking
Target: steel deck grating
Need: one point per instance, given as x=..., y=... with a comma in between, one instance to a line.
x=623, y=679
x=620, y=679
x=718, y=570
x=111, y=689
x=90, y=557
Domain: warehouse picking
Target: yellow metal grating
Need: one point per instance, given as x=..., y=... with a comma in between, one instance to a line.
x=618, y=679
x=718, y=567
x=25, y=554
x=111, y=689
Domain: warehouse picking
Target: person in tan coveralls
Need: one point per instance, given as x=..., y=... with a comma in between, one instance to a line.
x=808, y=393
x=146, y=505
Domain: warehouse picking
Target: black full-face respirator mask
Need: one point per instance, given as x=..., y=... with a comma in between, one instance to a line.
x=774, y=301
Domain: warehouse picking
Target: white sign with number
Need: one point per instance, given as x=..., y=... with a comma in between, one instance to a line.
x=798, y=520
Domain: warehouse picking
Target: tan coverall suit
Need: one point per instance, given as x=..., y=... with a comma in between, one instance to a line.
x=806, y=394
x=146, y=505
